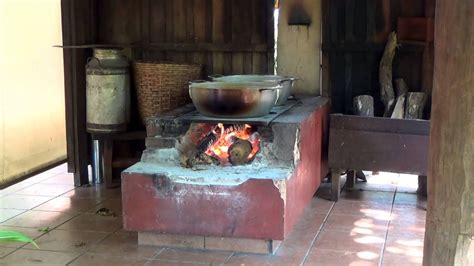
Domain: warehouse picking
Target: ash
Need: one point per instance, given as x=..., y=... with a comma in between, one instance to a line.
x=165, y=162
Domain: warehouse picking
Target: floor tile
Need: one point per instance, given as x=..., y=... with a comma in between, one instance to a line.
x=408, y=228
x=14, y=188
x=319, y=205
x=60, y=169
x=401, y=214
x=39, y=219
x=4, y=251
x=349, y=241
x=38, y=257
x=99, y=192
x=113, y=205
x=125, y=245
x=70, y=205
x=6, y=214
x=22, y=202
x=89, y=259
x=337, y=258
x=409, y=199
x=64, y=179
x=30, y=232
x=367, y=196
x=342, y=222
x=297, y=243
x=45, y=190
x=68, y=241
x=38, y=178
x=406, y=246
x=382, y=181
x=93, y=222
x=369, y=209
x=183, y=255
x=171, y=263
x=397, y=260
x=260, y=260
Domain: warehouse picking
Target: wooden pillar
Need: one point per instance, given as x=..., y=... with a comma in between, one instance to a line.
x=449, y=237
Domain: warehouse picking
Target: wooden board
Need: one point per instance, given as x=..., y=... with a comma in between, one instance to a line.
x=378, y=144
x=226, y=36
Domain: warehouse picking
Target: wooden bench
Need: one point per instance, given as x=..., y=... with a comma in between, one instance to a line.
x=377, y=144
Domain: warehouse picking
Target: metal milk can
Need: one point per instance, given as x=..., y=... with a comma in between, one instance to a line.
x=107, y=91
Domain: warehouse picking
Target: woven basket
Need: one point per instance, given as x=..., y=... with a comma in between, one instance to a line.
x=162, y=86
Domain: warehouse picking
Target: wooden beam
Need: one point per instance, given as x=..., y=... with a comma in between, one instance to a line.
x=75, y=31
x=449, y=237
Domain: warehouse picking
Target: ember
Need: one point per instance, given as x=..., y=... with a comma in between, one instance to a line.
x=235, y=144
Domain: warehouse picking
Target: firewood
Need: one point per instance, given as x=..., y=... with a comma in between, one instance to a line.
x=239, y=152
x=399, y=109
x=188, y=146
x=385, y=74
x=363, y=105
x=415, y=105
x=401, y=87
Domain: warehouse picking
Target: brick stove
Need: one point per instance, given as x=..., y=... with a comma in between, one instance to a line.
x=249, y=207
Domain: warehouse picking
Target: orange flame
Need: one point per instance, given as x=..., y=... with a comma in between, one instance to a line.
x=226, y=137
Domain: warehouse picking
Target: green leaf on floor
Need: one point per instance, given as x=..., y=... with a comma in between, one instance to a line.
x=16, y=236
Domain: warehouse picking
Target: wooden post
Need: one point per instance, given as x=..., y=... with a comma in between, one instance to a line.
x=449, y=237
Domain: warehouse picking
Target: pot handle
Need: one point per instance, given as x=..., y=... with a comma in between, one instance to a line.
x=197, y=81
x=286, y=79
x=213, y=76
x=277, y=90
x=194, y=81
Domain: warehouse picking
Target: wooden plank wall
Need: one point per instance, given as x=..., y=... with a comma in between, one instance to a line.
x=227, y=36
x=354, y=35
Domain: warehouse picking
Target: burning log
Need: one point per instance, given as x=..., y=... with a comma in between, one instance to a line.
x=189, y=150
x=239, y=152
x=363, y=105
x=219, y=144
x=415, y=105
x=385, y=74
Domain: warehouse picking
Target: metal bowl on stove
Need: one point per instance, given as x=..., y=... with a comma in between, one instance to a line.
x=285, y=82
x=234, y=99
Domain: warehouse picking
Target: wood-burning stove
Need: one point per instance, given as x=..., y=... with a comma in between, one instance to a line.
x=182, y=193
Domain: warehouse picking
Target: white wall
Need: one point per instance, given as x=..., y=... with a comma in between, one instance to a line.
x=32, y=119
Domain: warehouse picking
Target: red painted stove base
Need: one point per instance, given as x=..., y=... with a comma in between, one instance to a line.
x=256, y=209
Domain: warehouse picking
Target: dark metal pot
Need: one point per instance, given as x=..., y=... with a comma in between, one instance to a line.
x=232, y=99
x=285, y=82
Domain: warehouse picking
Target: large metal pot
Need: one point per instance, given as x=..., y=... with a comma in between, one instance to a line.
x=285, y=82
x=232, y=99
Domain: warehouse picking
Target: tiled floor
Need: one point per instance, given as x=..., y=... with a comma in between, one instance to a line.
x=379, y=223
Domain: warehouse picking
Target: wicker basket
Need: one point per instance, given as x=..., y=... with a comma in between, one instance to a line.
x=162, y=86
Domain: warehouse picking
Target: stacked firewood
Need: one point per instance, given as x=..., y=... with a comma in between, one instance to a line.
x=403, y=105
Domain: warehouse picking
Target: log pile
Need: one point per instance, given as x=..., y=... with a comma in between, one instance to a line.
x=403, y=105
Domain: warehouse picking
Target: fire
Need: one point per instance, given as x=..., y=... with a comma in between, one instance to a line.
x=225, y=137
